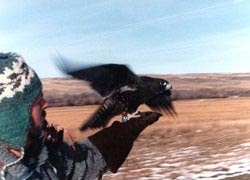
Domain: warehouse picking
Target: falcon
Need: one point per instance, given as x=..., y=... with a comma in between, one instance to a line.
x=122, y=90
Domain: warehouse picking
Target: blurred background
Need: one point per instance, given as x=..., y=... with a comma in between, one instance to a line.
x=201, y=47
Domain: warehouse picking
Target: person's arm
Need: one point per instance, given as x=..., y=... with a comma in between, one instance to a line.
x=106, y=149
x=115, y=142
x=81, y=161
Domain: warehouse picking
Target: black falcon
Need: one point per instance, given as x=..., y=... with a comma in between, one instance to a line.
x=122, y=90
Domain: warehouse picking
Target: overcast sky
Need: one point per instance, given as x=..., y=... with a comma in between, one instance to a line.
x=152, y=36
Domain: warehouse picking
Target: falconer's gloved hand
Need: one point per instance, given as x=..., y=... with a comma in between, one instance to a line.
x=116, y=141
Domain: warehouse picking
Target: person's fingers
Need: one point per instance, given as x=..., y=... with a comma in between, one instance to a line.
x=153, y=117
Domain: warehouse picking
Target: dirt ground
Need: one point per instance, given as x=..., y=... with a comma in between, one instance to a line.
x=210, y=139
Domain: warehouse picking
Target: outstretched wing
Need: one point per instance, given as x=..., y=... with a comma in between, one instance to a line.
x=103, y=78
x=162, y=103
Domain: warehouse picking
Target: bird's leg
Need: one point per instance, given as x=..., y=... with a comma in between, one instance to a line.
x=136, y=114
x=124, y=117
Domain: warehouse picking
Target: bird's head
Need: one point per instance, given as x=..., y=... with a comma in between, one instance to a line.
x=164, y=87
x=157, y=85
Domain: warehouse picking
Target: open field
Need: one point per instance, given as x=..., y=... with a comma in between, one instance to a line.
x=210, y=139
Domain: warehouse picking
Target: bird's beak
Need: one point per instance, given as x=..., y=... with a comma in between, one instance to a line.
x=167, y=90
x=168, y=87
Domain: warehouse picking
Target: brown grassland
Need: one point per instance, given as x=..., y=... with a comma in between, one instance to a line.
x=205, y=132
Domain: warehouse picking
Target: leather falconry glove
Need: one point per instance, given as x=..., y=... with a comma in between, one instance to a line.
x=116, y=141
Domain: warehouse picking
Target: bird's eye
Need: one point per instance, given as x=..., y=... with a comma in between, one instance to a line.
x=163, y=83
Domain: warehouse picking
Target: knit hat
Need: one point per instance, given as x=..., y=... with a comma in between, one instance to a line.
x=19, y=87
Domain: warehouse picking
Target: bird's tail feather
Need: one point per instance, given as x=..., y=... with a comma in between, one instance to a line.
x=99, y=119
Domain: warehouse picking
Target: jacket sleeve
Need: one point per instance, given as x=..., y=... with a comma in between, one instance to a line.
x=83, y=162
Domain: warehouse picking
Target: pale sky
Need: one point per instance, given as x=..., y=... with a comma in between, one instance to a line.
x=151, y=36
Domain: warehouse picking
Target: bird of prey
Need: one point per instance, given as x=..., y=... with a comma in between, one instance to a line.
x=122, y=90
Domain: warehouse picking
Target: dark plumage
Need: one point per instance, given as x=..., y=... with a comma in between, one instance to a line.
x=122, y=90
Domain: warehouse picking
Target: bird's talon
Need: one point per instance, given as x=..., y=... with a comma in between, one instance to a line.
x=138, y=114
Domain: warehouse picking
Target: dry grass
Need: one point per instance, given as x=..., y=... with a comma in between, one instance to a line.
x=204, y=132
